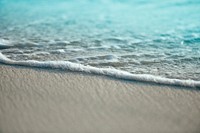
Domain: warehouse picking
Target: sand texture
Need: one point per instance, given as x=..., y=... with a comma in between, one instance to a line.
x=40, y=100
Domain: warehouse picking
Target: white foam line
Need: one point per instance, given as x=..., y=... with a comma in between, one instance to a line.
x=103, y=71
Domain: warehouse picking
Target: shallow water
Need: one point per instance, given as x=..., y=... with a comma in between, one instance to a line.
x=160, y=38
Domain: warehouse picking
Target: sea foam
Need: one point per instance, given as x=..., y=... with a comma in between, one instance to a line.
x=66, y=65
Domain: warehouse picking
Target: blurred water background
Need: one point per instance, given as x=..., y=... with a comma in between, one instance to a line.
x=157, y=37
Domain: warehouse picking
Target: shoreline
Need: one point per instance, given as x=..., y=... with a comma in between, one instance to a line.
x=58, y=70
x=111, y=72
x=39, y=100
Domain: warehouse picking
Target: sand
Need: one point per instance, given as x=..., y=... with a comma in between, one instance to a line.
x=40, y=100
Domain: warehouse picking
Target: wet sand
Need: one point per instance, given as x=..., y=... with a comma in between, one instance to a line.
x=40, y=100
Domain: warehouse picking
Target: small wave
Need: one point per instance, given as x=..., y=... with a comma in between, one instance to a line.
x=65, y=65
x=4, y=44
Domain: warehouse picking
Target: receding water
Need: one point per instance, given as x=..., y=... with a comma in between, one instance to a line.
x=157, y=37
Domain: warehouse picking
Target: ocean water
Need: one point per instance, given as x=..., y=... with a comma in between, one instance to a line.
x=158, y=38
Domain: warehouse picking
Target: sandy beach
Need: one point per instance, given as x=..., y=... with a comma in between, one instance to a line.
x=34, y=100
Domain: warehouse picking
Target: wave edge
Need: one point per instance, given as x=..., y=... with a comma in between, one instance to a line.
x=66, y=65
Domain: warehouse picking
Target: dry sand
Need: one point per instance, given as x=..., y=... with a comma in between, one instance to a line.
x=39, y=100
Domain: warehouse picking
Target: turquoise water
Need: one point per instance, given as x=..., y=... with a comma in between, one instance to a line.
x=155, y=37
